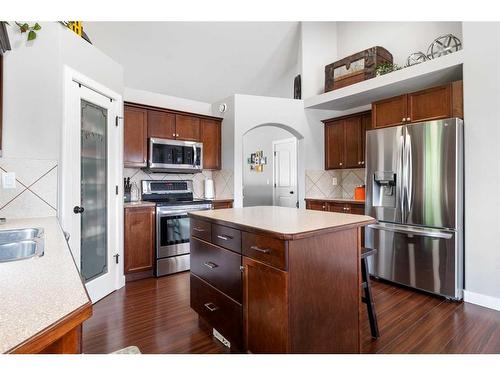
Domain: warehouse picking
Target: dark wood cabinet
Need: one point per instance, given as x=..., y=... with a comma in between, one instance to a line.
x=434, y=103
x=135, y=147
x=345, y=141
x=187, y=128
x=340, y=206
x=211, y=138
x=265, y=308
x=222, y=203
x=161, y=125
x=139, y=239
x=143, y=122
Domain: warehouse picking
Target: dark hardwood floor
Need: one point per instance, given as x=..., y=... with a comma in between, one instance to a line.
x=154, y=314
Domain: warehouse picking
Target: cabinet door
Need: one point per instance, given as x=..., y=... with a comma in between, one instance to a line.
x=161, y=125
x=366, y=122
x=211, y=138
x=187, y=128
x=135, y=148
x=336, y=207
x=430, y=104
x=334, y=145
x=316, y=205
x=389, y=112
x=139, y=239
x=357, y=209
x=352, y=130
x=265, y=308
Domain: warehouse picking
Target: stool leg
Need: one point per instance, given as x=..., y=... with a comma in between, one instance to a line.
x=370, y=305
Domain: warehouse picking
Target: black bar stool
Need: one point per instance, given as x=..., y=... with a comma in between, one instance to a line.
x=368, y=296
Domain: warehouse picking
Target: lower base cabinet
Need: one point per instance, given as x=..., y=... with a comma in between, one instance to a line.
x=265, y=308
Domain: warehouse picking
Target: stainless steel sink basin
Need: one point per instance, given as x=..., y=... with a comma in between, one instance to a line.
x=17, y=244
x=20, y=250
x=13, y=235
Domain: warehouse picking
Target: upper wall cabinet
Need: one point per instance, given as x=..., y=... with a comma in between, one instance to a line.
x=211, y=138
x=345, y=141
x=143, y=122
x=135, y=145
x=435, y=103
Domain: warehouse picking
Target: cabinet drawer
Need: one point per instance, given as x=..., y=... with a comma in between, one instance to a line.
x=226, y=237
x=201, y=229
x=222, y=313
x=217, y=266
x=265, y=249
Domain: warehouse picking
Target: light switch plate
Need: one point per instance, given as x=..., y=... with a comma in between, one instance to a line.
x=8, y=180
x=334, y=181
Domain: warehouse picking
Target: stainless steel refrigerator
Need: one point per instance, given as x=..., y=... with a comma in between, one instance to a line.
x=414, y=188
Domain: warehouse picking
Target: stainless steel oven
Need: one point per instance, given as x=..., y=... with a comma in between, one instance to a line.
x=172, y=245
x=174, y=199
x=168, y=155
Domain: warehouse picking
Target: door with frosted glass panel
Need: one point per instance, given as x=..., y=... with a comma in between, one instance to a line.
x=95, y=176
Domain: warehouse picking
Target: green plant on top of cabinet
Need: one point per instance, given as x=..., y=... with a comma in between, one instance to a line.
x=345, y=141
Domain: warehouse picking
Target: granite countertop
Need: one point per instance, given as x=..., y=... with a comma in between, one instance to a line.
x=37, y=292
x=285, y=221
x=340, y=200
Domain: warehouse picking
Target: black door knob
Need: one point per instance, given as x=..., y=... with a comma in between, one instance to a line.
x=291, y=192
x=78, y=210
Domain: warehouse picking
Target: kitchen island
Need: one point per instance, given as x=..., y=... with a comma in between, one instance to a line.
x=277, y=279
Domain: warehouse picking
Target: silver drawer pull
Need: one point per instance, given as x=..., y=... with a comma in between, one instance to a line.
x=198, y=229
x=264, y=251
x=210, y=265
x=211, y=306
x=225, y=238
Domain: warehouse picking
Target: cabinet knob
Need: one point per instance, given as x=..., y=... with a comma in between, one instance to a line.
x=408, y=119
x=359, y=163
x=363, y=162
x=173, y=134
x=177, y=134
x=403, y=119
x=340, y=163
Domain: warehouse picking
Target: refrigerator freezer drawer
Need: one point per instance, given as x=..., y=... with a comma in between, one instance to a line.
x=422, y=258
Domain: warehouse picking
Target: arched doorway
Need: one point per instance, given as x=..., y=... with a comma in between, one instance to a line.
x=270, y=166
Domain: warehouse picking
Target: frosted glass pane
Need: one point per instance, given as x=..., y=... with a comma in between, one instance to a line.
x=94, y=252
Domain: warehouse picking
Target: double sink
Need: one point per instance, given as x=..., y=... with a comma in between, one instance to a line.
x=18, y=244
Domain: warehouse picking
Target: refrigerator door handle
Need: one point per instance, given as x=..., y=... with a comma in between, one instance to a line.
x=409, y=173
x=404, y=229
x=401, y=159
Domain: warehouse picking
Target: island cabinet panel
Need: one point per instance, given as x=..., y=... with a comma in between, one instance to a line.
x=139, y=239
x=187, y=128
x=265, y=249
x=324, y=293
x=218, y=310
x=201, y=229
x=135, y=147
x=265, y=308
x=217, y=266
x=161, y=125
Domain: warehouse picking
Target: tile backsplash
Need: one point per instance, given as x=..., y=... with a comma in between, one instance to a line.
x=319, y=183
x=223, y=180
x=35, y=194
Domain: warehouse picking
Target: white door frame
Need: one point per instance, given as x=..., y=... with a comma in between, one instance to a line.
x=295, y=142
x=115, y=172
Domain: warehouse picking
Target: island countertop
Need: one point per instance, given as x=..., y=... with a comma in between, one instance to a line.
x=284, y=222
x=40, y=292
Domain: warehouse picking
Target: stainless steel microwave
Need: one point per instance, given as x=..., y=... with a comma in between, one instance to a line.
x=168, y=155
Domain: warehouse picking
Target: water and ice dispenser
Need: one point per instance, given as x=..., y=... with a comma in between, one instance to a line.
x=384, y=189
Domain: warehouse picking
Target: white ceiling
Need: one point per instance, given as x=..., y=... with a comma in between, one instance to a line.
x=205, y=61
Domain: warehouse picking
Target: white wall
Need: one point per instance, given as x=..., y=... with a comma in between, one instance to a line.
x=399, y=38
x=482, y=167
x=33, y=87
x=318, y=48
x=258, y=186
x=166, y=101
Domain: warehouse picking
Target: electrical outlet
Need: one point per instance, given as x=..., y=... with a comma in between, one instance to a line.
x=8, y=180
x=334, y=181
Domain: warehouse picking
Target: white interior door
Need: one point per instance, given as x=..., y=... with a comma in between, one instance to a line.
x=285, y=173
x=91, y=208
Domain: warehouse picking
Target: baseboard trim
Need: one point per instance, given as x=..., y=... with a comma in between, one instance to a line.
x=482, y=300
